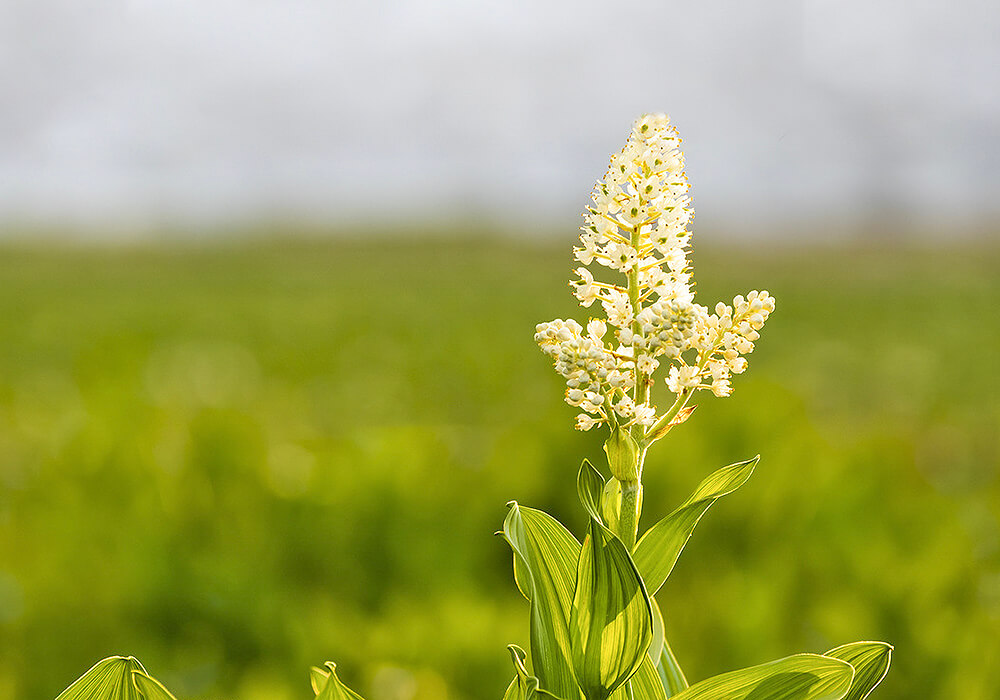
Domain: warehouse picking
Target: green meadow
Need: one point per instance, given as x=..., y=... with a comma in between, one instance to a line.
x=238, y=460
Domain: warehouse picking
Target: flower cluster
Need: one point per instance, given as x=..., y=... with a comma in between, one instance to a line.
x=637, y=226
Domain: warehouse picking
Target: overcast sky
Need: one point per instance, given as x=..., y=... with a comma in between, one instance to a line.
x=205, y=111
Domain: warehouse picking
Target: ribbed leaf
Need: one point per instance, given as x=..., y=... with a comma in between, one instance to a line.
x=546, y=557
x=668, y=670
x=150, y=688
x=334, y=689
x=317, y=678
x=611, y=622
x=799, y=677
x=110, y=679
x=524, y=686
x=590, y=488
x=871, y=663
x=643, y=685
x=611, y=504
x=657, y=551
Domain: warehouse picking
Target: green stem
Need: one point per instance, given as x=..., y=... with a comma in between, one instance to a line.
x=630, y=513
x=641, y=392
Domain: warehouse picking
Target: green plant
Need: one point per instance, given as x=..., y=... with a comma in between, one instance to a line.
x=596, y=631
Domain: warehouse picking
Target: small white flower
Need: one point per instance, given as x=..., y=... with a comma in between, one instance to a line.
x=646, y=364
x=625, y=407
x=586, y=290
x=585, y=422
x=618, y=308
x=681, y=378
x=645, y=415
x=596, y=328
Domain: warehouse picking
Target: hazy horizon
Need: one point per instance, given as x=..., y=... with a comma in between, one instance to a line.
x=150, y=114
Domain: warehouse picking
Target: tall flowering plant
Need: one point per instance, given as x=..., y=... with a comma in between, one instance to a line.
x=595, y=629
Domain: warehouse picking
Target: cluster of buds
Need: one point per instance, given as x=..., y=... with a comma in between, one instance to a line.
x=637, y=226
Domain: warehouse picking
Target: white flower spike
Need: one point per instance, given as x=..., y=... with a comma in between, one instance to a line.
x=637, y=227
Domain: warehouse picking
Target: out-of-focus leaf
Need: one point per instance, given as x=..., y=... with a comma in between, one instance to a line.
x=590, y=487
x=110, y=679
x=871, y=664
x=611, y=622
x=658, y=549
x=546, y=557
x=799, y=677
x=643, y=685
x=524, y=686
x=150, y=688
x=334, y=689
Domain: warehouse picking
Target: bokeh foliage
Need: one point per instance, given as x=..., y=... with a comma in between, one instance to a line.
x=236, y=461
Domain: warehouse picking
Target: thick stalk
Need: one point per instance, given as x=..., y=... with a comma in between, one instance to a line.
x=628, y=523
x=630, y=513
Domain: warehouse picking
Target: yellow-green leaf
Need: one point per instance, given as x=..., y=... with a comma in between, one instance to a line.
x=590, y=488
x=524, y=686
x=150, y=688
x=317, y=678
x=110, y=679
x=871, y=664
x=799, y=677
x=658, y=549
x=623, y=455
x=334, y=689
x=611, y=622
x=546, y=557
x=643, y=685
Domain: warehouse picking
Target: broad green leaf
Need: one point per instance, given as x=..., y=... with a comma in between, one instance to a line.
x=658, y=550
x=524, y=686
x=799, y=677
x=110, y=679
x=334, y=689
x=871, y=664
x=658, y=632
x=150, y=688
x=669, y=671
x=317, y=678
x=590, y=487
x=643, y=685
x=546, y=556
x=611, y=622
x=671, y=675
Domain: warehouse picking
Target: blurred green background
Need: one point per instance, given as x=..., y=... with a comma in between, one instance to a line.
x=238, y=460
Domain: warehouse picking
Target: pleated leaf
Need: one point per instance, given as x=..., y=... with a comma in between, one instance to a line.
x=545, y=564
x=611, y=622
x=524, y=686
x=871, y=664
x=110, y=679
x=643, y=685
x=658, y=550
x=611, y=504
x=317, y=678
x=799, y=677
x=150, y=688
x=590, y=488
x=669, y=671
x=333, y=688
